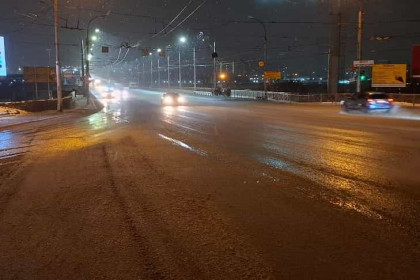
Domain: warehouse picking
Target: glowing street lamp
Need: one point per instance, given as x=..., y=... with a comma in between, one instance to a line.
x=94, y=38
x=182, y=40
x=97, y=30
x=159, y=50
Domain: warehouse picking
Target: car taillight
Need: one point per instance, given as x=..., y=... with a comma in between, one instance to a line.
x=390, y=100
x=370, y=100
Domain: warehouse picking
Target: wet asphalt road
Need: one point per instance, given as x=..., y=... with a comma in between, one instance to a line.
x=300, y=191
x=366, y=164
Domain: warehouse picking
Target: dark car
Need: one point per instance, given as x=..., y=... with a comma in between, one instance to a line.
x=172, y=98
x=368, y=102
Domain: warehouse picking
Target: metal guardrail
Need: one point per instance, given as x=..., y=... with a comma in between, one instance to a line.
x=292, y=97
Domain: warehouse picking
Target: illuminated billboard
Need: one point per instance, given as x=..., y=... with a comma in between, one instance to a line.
x=3, y=70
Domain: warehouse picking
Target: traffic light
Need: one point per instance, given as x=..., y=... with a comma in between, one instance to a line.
x=362, y=76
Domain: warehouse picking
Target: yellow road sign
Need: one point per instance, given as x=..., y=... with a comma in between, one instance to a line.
x=389, y=75
x=272, y=75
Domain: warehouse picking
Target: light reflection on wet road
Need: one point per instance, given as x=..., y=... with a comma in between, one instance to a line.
x=365, y=164
x=310, y=192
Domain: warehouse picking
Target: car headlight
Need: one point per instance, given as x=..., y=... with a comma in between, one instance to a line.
x=181, y=99
x=168, y=99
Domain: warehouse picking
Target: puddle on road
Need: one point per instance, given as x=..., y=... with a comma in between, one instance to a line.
x=183, y=145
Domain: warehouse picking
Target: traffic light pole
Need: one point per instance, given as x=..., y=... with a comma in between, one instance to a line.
x=359, y=47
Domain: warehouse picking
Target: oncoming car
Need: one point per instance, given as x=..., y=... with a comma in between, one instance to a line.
x=368, y=102
x=172, y=98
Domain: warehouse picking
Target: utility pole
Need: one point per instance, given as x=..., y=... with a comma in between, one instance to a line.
x=335, y=49
x=82, y=49
x=179, y=70
x=265, y=50
x=49, y=64
x=265, y=61
x=214, y=67
x=57, y=57
x=195, y=71
x=359, y=45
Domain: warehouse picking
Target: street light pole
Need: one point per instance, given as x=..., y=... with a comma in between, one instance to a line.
x=57, y=58
x=158, y=71
x=265, y=50
x=214, y=67
x=195, y=71
x=87, y=56
x=359, y=45
x=151, y=71
x=169, y=74
x=179, y=70
x=143, y=76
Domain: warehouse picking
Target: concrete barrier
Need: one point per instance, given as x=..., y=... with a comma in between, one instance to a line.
x=39, y=105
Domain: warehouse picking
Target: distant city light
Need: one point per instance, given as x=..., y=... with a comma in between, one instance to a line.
x=94, y=38
x=183, y=39
x=159, y=50
x=97, y=30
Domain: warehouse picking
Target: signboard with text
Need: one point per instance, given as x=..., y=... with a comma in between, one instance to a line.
x=363, y=63
x=39, y=74
x=416, y=62
x=272, y=75
x=3, y=67
x=389, y=75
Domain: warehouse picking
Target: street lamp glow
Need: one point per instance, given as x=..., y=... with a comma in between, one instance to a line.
x=183, y=39
x=94, y=38
x=159, y=50
x=97, y=30
x=150, y=53
x=90, y=56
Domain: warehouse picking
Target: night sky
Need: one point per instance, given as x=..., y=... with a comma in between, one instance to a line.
x=298, y=37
